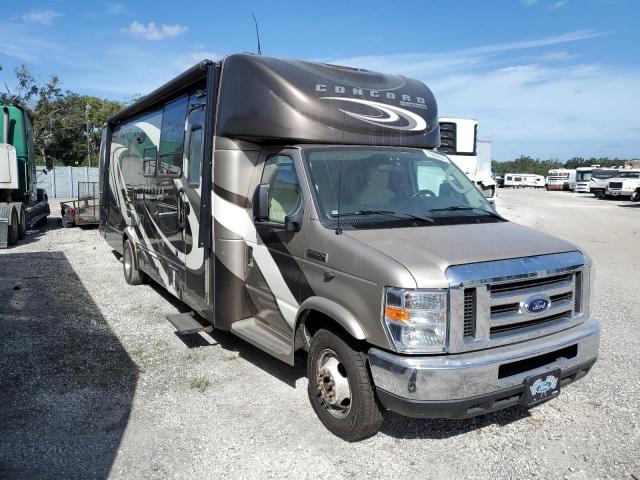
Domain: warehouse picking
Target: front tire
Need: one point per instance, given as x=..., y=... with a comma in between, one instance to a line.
x=132, y=274
x=14, y=227
x=340, y=388
x=635, y=196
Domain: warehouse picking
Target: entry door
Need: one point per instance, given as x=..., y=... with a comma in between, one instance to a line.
x=196, y=269
x=273, y=272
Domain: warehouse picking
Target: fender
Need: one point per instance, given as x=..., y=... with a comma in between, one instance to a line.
x=337, y=312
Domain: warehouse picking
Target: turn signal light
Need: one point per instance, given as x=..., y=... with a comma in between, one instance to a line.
x=395, y=313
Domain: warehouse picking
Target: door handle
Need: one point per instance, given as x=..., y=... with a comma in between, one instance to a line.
x=182, y=209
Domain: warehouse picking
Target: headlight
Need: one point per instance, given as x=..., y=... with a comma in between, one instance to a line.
x=416, y=319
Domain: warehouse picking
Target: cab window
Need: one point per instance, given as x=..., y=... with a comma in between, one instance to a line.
x=284, y=188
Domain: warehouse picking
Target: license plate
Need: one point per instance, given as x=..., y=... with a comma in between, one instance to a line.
x=541, y=387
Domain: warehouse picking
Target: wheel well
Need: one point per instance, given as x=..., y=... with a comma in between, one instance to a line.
x=311, y=321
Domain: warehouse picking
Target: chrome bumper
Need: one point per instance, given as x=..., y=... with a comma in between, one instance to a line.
x=477, y=375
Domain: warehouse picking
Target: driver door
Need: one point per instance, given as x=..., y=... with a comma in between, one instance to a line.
x=273, y=272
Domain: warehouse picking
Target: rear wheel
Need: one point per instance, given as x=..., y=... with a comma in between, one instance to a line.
x=14, y=227
x=22, y=220
x=340, y=389
x=132, y=274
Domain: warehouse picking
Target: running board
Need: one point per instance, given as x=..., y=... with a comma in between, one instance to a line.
x=265, y=338
x=187, y=323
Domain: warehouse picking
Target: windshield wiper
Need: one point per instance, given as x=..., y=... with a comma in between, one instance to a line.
x=459, y=208
x=389, y=213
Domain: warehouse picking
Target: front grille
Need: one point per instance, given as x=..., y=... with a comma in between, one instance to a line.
x=489, y=310
x=538, y=322
x=469, y=312
x=534, y=282
x=615, y=185
x=508, y=314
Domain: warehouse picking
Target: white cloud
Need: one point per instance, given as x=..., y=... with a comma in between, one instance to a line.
x=559, y=4
x=116, y=8
x=526, y=104
x=560, y=56
x=151, y=31
x=528, y=3
x=43, y=17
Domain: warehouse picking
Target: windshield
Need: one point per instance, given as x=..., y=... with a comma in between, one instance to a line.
x=629, y=175
x=367, y=184
x=583, y=176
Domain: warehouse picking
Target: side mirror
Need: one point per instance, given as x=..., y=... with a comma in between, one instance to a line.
x=44, y=170
x=293, y=221
x=261, y=203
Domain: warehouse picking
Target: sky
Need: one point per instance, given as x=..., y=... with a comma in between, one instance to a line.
x=545, y=78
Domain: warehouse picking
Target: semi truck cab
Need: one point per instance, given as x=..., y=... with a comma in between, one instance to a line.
x=625, y=184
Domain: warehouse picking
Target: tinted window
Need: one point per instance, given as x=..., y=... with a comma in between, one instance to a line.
x=195, y=156
x=280, y=174
x=172, y=137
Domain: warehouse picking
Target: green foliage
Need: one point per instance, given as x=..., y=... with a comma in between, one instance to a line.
x=526, y=164
x=62, y=120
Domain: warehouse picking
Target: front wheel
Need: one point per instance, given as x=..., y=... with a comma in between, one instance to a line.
x=635, y=196
x=340, y=388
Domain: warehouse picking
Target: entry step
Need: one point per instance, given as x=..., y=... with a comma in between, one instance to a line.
x=264, y=337
x=188, y=323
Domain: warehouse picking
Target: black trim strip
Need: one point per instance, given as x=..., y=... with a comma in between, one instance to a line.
x=231, y=197
x=213, y=84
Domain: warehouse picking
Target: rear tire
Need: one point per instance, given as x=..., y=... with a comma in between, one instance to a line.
x=22, y=220
x=14, y=227
x=340, y=388
x=132, y=274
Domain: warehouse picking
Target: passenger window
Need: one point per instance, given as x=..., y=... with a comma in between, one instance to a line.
x=172, y=138
x=195, y=156
x=284, y=189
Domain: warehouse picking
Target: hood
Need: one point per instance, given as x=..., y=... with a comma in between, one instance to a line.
x=428, y=251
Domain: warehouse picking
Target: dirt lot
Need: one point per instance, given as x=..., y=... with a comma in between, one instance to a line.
x=94, y=383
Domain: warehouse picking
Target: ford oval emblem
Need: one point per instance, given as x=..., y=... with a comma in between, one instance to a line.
x=537, y=304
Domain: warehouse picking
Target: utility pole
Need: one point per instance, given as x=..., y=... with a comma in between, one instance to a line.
x=86, y=114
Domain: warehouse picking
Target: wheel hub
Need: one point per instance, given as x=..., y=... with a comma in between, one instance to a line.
x=333, y=385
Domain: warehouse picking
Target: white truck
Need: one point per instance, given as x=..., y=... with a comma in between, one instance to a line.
x=459, y=141
x=626, y=184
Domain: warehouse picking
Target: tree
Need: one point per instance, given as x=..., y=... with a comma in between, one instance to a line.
x=23, y=92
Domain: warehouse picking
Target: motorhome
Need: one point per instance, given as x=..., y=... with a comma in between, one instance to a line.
x=625, y=184
x=299, y=216
x=600, y=178
x=517, y=180
x=583, y=178
x=561, y=179
x=459, y=141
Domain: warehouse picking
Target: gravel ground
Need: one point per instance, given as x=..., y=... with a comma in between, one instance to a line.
x=94, y=382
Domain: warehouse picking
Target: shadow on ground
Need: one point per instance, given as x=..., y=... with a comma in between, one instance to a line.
x=398, y=426
x=67, y=382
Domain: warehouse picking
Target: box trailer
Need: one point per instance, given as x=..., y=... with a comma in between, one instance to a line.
x=459, y=141
x=303, y=206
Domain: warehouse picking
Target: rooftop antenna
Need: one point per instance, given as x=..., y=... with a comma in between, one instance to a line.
x=257, y=33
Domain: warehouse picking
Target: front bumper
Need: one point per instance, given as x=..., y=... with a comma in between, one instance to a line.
x=619, y=193
x=474, y=383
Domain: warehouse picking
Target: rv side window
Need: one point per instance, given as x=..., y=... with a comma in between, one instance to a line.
x=195, y=156
x=284, y=189
x=172, y=138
